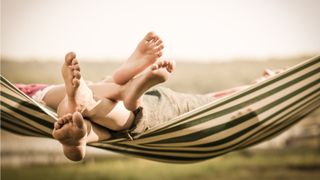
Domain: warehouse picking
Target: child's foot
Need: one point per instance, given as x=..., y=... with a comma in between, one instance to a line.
x=71, y=131
x=134, y=89
x=146, y=53
x=78, y=95
x=71, y=75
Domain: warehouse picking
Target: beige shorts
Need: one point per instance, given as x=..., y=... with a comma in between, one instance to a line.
x=39, y=95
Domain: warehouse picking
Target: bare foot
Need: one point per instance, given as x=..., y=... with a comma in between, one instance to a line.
x=134, y=89
x=267, y=73
x=146, y=53
x=71, y=131
x=79, y=96
x=71, y=75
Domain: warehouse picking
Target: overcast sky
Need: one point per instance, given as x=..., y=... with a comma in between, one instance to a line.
x=191, y=29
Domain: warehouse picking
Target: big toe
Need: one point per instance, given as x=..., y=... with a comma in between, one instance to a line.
x=171, y=66
x=69, y=57
x=78, y=120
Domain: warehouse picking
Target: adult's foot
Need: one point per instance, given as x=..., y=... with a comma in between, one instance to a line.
x=71, y=131
x=159, y=72
x=146, y=53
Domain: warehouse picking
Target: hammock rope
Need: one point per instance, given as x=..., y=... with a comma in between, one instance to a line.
x=238, y=121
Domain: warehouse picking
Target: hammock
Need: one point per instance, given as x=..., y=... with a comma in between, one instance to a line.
x=231, y=123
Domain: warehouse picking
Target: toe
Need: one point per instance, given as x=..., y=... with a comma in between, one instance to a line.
x=150, y=36
x=155, y=38
x=160, y=47
x=154, y=67
x=159, y=54
x=171, y=66
x=76, y=67
x=161, y=64
x=57, y=125
x=76, y=74
x=69, y=57
x=75, y=83
x=165, y=63
x=159, y=42
x=69, y=116
x=64, y=120
x=60, y=121
x=74, y=61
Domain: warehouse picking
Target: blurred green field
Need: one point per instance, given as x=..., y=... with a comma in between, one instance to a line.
x=190, y=77
x=275, y=164
x=289, y=163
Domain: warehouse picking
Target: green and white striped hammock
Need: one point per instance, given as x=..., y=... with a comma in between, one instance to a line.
x=240, y=120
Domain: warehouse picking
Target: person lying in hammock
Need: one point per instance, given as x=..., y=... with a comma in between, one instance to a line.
x=124, y=105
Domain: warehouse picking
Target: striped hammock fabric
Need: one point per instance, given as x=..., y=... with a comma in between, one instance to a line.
x=234, y=122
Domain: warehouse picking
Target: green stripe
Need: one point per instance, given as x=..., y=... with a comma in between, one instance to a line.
x=271, y=127
x=24, y=102
x=29, y=116
x=236, y=148
x=23, y=125
x=222, y=141
x=281, y=127
x=3, y=127
x=236, y=135
x=20, y=129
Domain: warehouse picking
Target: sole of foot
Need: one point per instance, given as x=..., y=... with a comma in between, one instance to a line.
x=71, y=75
x=71, y=131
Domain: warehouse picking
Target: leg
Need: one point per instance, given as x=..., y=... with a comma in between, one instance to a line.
x=74, y=133
x=146, y=53
x=110, y=114
x=134, y=89
x=54, y=96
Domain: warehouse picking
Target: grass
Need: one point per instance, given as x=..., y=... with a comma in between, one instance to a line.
x=274, y=164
